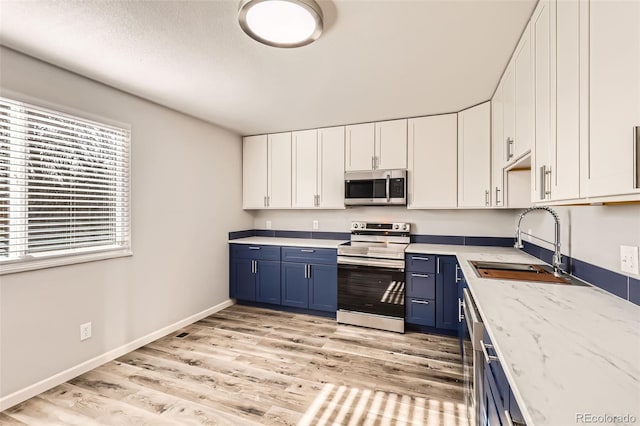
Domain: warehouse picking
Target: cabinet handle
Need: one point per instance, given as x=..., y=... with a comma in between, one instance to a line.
x=268, y=200
x=547, y=186
x=487, y=357
x=507, y=415
x=307, y=250
x=437, y=265
x=543, y=182
x=460, y=314
x=420, y=302
x=497, y=192
x=254, y=248
x=457, y=277
x=509, y=145
x=419, y=258
x=256, y=269
x=305, y=270
x=264, y=201
x=420, y=275
x=373, y=164
x=486, y=197
x=636, y=156
x=309, y=271
x=252, y=266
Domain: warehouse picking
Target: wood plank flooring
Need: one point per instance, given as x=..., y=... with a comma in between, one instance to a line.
x=246, y=365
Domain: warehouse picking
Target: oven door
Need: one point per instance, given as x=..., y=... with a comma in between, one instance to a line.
x=365, y=286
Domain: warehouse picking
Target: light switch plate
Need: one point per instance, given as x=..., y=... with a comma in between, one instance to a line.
x=315, y=224
x=629, y=259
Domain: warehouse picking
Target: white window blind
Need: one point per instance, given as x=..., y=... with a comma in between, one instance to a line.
x=64, y=184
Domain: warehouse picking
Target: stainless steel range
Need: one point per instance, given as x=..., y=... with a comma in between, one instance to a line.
x=371, y=276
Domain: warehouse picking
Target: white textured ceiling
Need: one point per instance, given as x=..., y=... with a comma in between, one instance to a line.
x=376, y=59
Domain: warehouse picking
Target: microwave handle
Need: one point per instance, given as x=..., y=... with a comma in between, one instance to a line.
x=388, y=184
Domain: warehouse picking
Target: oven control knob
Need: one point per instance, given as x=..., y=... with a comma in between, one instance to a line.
x=395, y=226
x=355, y=225
x=404, y=227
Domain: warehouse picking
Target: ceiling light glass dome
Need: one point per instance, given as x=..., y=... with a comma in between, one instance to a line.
x=281, y=23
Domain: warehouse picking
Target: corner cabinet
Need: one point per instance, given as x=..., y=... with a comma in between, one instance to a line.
x=433, y=162
x=380, y=145
x=474, y=157
x=266, y=171
x=318, y=168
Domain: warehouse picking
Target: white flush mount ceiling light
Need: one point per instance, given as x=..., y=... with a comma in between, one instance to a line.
x=281, y=23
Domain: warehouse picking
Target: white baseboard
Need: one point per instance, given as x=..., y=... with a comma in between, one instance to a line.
x=64, y=376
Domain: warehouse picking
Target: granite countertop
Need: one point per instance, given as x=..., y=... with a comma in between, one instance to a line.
x=289, y=242
x=566, y=350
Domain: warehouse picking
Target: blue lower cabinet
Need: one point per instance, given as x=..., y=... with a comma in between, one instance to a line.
x=447, y=293
x=244, y=279
x=323, y=287
x=295, y=285
x=420, y=312
x=268, y=281
x=492, y=405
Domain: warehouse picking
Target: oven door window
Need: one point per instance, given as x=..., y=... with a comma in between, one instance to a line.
x=366, y=189
x=371, y=290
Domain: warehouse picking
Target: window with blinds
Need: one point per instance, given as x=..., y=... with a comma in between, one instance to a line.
x=64, y=184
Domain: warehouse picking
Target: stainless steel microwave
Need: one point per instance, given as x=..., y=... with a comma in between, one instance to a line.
x=374, y=188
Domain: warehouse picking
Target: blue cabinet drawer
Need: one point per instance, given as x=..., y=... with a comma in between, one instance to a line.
x=310, y=255
x=421, y=285
x=257, y=252
x=420, y=312
x=420, y=263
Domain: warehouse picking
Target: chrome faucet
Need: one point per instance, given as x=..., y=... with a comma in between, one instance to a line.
x=557, y=257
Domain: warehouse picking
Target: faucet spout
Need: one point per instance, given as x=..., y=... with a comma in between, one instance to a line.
x=557, y=256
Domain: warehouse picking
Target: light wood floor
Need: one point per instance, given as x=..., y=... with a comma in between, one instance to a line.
x=247, y=365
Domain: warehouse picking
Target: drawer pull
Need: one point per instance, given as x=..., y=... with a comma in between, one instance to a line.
x=419, y=258
x=487, y=357
x=307, y=251
x=254, y=248
x=420, y=275
x=420, y=302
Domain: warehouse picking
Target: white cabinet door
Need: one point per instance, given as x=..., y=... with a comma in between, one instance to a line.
x=524, y=97
x=474, y=156
x=614, y=98
x=497, y=149
x=331, y=167
x=391, y=145
x=360, y=147
x=304, y=167
x=254, y=172
x=433, y=162
x=541, y=27
x=565, y=166
x=279, y=171
x=509, y=112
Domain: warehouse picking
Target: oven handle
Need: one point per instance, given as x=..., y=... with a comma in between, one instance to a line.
x=360, y=264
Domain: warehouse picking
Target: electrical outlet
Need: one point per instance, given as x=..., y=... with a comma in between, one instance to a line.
x=315, y=224
x=629, y=259
x=268, y=224
x=85, y=331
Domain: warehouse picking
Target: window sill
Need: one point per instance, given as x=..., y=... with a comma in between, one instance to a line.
x=53, y=260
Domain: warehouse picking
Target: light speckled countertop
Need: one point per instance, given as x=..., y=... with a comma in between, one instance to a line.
x=289, y=242
x=565, y=349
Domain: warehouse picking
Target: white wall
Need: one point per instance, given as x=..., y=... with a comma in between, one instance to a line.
x=590, y=233
x=480, y=223
x=186, y=196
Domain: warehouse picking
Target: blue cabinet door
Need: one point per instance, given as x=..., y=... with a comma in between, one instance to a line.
x=295, y=285
x=323, y=288
x=268, y=281
x=245, y=279
x=492, y=405
x=446, y=294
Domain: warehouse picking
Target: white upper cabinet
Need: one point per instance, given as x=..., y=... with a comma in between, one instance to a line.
x=372, y=146
x=509, y=112
x=318, y=168
x=331, y=167
x=279, y=171
x=304, y=168
x=391, y=145
x=541, y=27
x=433, y=162
x=254, y=172
x=497, y=149
x=524, y=96
x=474, y=156
x=360, y=147
x=609, y=163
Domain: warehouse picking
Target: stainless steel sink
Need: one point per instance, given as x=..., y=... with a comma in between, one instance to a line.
x=521, y=272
